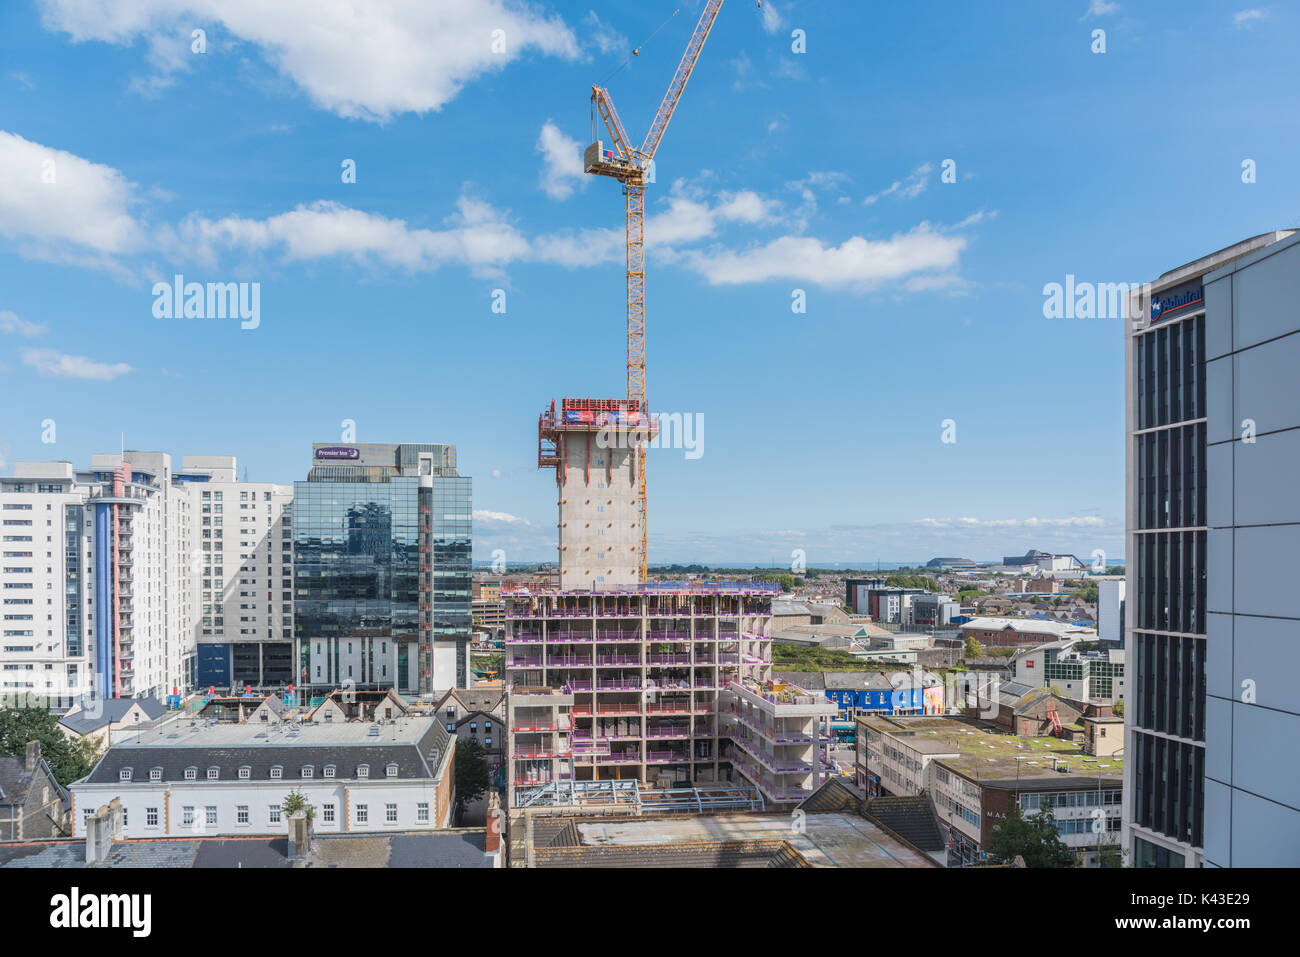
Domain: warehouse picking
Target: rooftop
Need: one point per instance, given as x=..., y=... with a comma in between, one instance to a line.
x=1000, y=758
x=417, y=849
x=835, y=839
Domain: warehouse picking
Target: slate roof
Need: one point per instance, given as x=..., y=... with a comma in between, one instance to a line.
x=110, y=710
x=15, y=781
x=230, y=747
x=422, y=849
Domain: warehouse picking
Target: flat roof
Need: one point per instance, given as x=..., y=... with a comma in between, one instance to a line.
x=828, y=839
x=209, y=733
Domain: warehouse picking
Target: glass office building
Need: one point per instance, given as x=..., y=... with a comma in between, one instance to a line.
x=1213, y=528
x=382, y=549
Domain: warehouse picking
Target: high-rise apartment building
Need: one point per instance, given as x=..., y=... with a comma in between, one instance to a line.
x=244, y=575
x=97, y=595
x=1213, y=425
x=382, y=568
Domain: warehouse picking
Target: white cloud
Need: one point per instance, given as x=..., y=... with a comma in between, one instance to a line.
x=63, y=206
x=561, y=162
x=1101, y=8
x=367, y=60
x=1244, y=18
x=607, y=40
x=11, y=325
x=50, y=362
x=504, y=518
x=479, y=237
x=1084, y=521
x=858, y=261
x=909, y=188
x=771, y=17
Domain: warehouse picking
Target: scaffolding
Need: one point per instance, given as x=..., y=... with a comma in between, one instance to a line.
x=628, y=793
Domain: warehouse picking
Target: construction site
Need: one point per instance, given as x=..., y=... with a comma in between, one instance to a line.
x=626, y=698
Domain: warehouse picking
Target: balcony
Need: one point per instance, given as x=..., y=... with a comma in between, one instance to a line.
x=569, y=661
x=620, y=684
x=668, y=659
x=618, y=661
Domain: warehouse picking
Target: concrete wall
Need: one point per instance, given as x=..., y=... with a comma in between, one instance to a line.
x=1252, y=790
x=599, y=515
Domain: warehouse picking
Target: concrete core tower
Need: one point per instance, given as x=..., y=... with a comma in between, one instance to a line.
x=591, y=444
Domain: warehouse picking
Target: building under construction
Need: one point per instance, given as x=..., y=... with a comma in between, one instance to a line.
x=658, y=685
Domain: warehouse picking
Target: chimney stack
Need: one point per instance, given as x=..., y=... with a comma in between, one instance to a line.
x=33, y=759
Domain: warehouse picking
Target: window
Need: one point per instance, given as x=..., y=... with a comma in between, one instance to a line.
x=363, y=814
x=277, y=772
x=329, y=770
x=151, y=817
x=245, y=773
x=327, y=813
x=210, y=814
x=214, y=773
x=308, y=771
x=390, y=813
x=391, y=770
x=155, y=774
x=275, y=813
x=124, y=774
x=191, y=774
x=187, y=815
x=363, y=770
x=422, y=812
x=241, y=814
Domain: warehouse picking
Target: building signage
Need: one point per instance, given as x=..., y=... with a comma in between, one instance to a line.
x=336, y=452
x=1162, y=306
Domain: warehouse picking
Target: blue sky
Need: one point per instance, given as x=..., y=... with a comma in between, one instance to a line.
x=818, y=171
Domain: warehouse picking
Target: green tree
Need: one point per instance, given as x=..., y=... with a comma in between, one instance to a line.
x=296, y=801
x=67, y=761
x=1119, y=708
x=973, y=649
x=1109, y=854
x=472, y=776
x=1035, y=838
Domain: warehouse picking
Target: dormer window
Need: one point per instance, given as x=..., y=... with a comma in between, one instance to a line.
x=363, y=770
x=245, y=773
x=214, y=773
x=391, y=770
x=308, y=771
x=277, y=772
x=124, y=774
x=329, y=770
x=155, y=774
x=191, y=774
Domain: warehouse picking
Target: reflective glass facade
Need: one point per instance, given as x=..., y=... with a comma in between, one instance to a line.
x=356, y=574
x=382, y=567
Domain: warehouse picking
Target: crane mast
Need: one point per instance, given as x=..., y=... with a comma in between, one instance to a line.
x=630, y=165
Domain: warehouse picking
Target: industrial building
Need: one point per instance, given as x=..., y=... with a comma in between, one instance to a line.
x=1212, y=519
x=382, y=569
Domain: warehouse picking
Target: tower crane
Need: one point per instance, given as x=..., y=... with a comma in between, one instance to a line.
x=631, y=166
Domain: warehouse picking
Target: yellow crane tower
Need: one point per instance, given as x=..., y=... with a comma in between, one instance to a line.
x=630, y=166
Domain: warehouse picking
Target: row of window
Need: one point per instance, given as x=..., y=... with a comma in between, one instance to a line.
x=246, y=772
x=273, y=814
